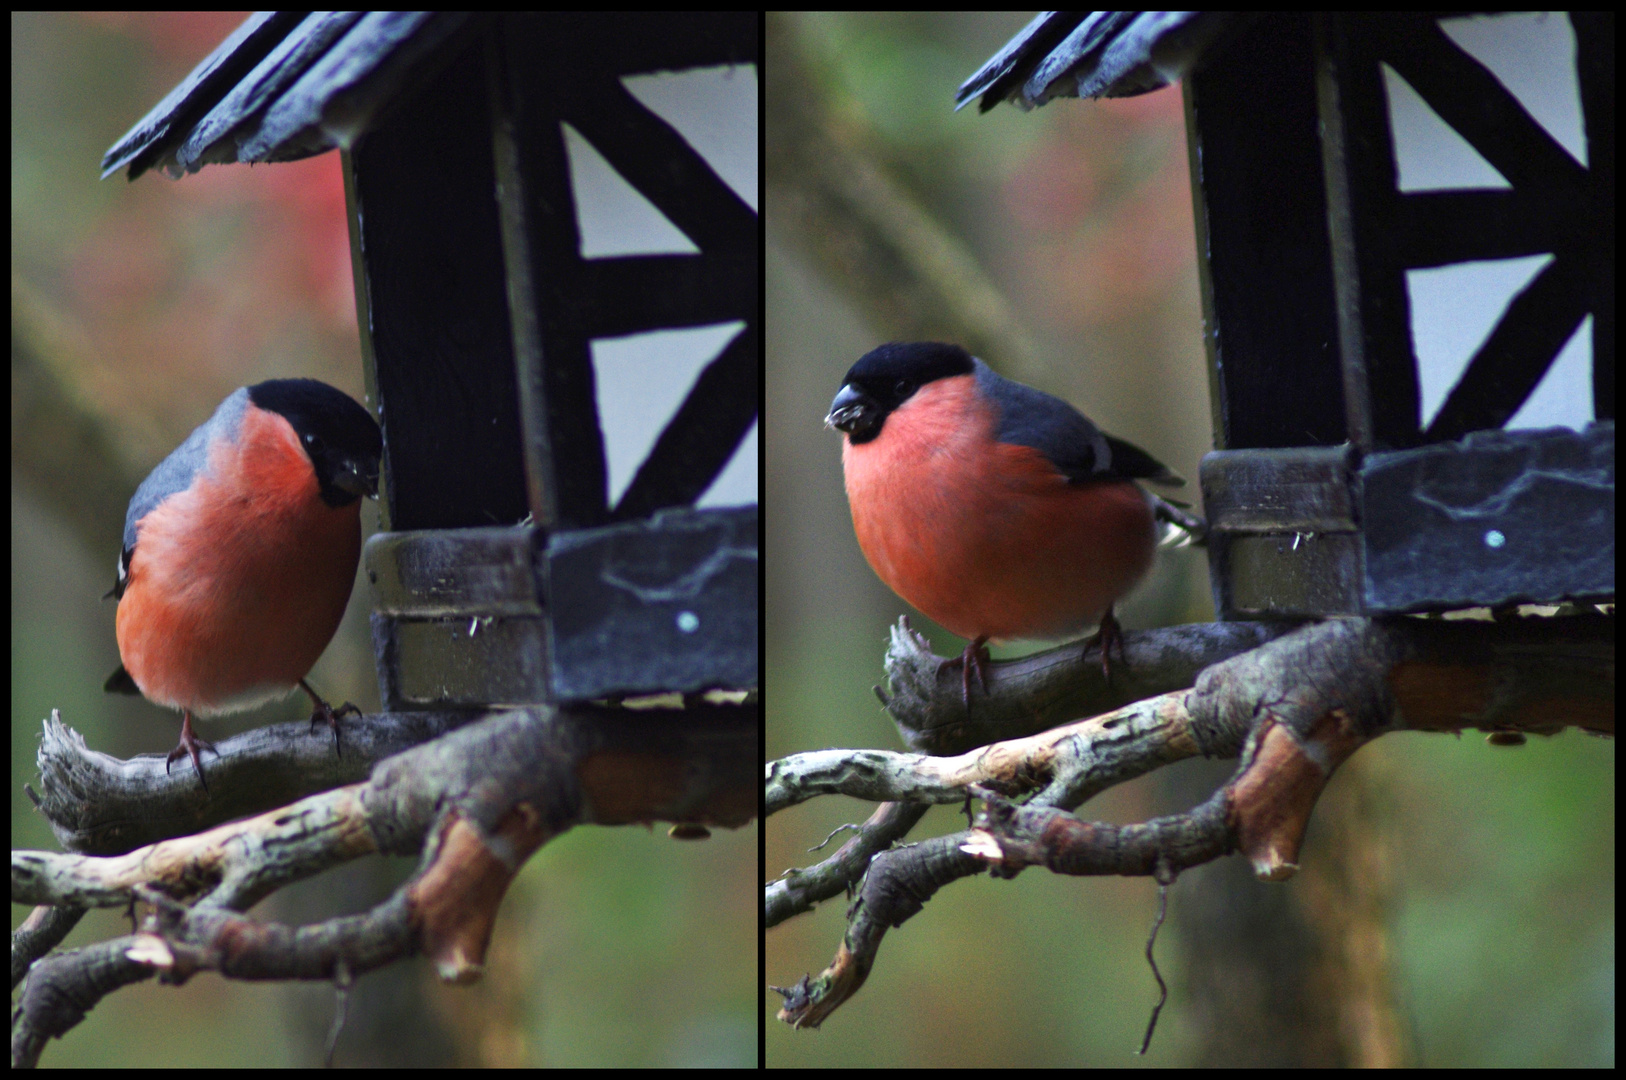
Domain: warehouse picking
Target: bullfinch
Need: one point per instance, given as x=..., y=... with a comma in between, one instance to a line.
x=995, y=509
x=239, y=553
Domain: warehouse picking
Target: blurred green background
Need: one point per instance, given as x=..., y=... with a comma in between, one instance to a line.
x=136, y=307
x=1502, y=861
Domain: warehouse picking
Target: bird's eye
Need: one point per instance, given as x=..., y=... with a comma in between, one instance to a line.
x=903, y=388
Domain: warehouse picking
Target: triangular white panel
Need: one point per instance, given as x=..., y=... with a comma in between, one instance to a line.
x=1429, y=154
x=613, y=218
x=642, y=380
x=1532, y=53
x=736, y=485
x=715, y=110
x=1455, y=308
x=1563, y=397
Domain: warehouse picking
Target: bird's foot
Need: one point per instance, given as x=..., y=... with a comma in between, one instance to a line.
x=1106, y=635
x=323, y=711
x=975, y=658
x=189, y=745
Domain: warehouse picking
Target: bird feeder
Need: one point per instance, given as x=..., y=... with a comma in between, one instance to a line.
x=507, y=573
x=1379, y=450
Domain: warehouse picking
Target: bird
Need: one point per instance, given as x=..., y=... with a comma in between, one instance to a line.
x=239, y=553
x=995, y=509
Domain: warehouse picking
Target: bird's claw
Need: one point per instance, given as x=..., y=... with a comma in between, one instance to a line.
x=323, y=711
x=975, y=658
x=1107, y=634
x=189, y=745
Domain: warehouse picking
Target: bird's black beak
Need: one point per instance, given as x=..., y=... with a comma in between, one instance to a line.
x=357, y=478
x=855, y=413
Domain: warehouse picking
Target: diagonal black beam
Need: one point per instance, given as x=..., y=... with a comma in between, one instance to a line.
x=654, y=158
x=703, y=434
x=1517, y=354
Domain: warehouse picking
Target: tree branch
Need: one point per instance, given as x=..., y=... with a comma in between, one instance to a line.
x=475, y=803
x=1292, y=710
